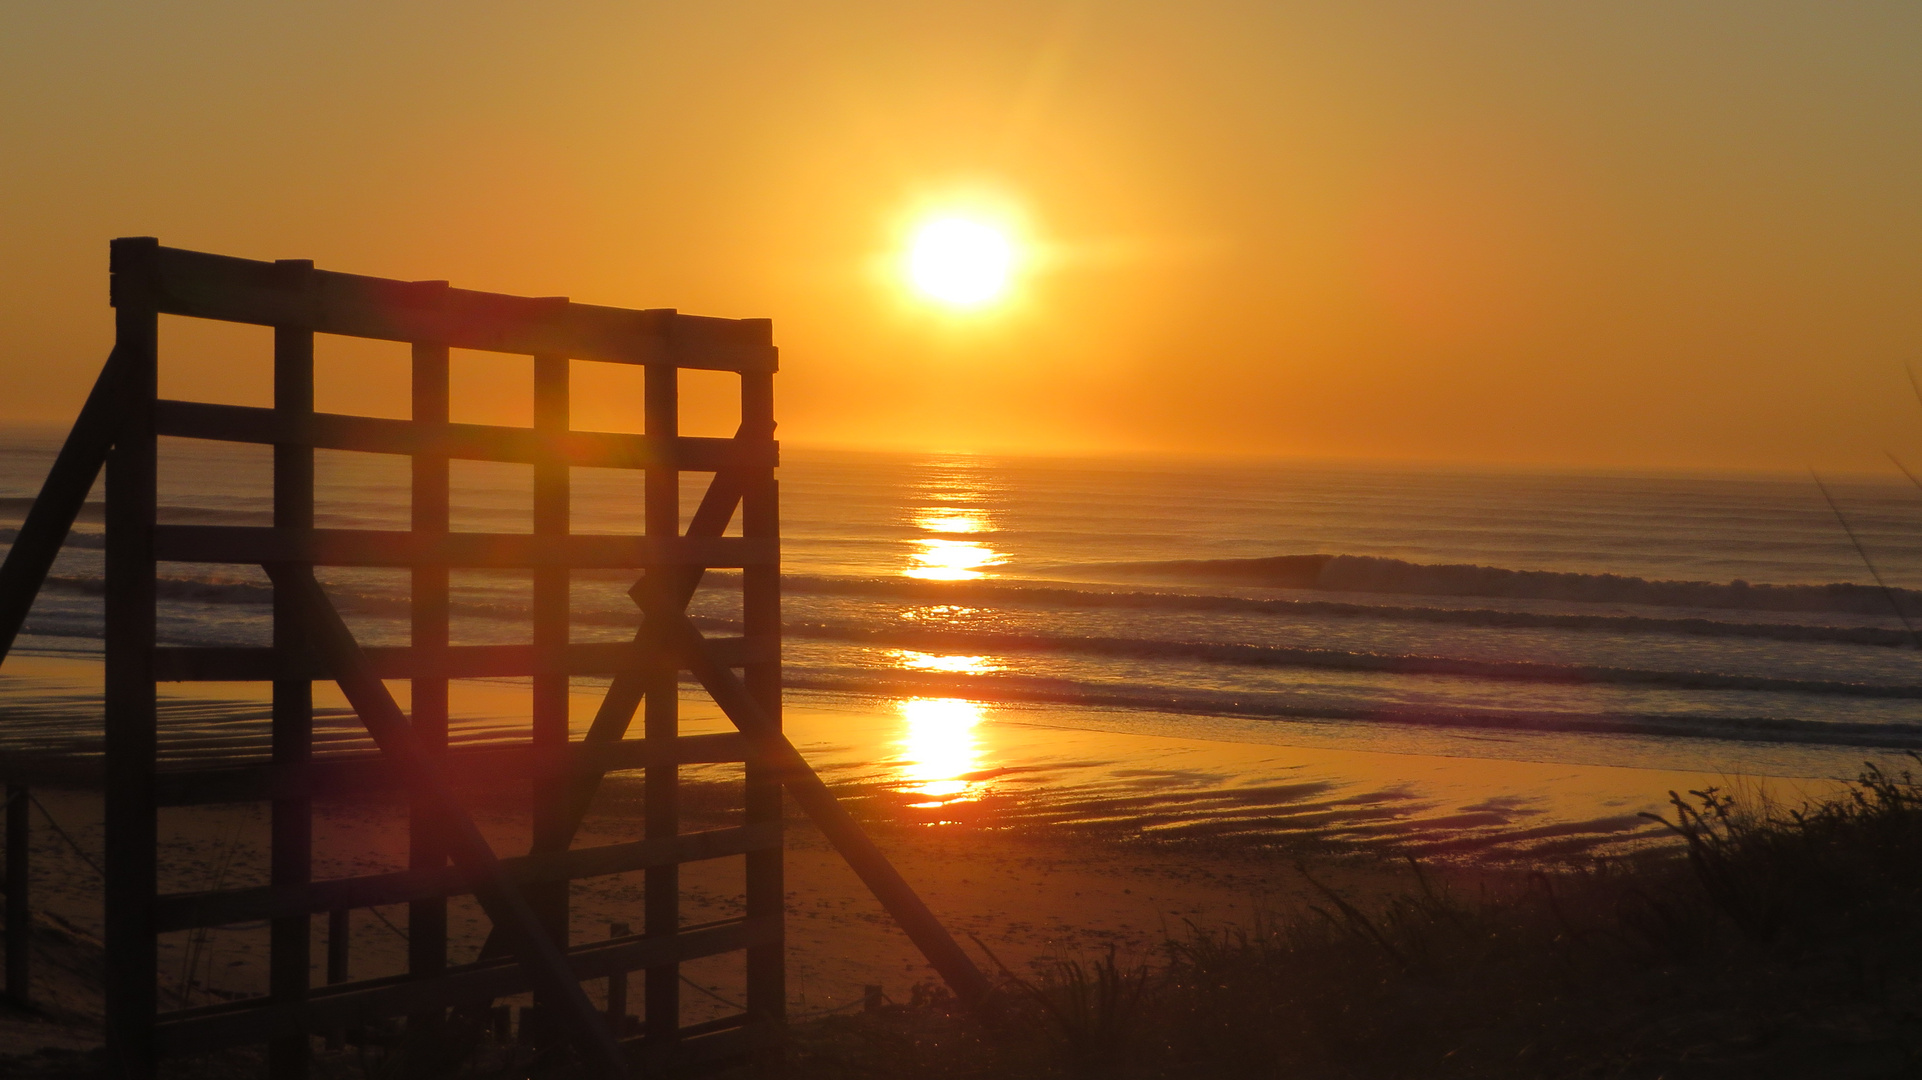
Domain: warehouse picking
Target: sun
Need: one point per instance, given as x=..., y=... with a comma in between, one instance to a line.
x=960, y=261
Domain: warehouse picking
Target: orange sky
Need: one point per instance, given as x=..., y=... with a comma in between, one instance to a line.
x=1626, y=234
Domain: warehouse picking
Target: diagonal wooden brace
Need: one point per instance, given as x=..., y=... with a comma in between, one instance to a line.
x=806, y=788
x=546, y=967
x=61, y=496
x=623, y=695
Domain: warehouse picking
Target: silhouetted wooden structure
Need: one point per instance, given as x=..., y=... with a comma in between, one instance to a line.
x=525, y=896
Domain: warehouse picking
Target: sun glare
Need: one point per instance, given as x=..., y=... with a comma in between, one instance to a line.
x=938, y=746
x=960, y=262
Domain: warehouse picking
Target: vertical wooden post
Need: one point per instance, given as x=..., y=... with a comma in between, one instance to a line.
x=131, y=831
x=427, y=918
x=761, y=618
x=291, y=857
x=19, y=912
x=552, y=830
x=339, y=941
x=661, y=722
x=617, y=986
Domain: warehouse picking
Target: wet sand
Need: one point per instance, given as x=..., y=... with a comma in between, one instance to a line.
x=1040, y=840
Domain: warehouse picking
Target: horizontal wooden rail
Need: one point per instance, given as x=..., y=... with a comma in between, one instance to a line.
x=357, y=1004
x=187, y=911
x=469, y=442
x=209, y=286
x=699, y=1048
x=369, y=547
x=260, y=664
x=464, y=764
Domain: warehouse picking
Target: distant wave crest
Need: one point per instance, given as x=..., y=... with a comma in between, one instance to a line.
x=1372, y=574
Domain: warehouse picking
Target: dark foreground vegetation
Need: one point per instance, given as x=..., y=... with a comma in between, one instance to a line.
x=1767, y=942
x=1777, y=943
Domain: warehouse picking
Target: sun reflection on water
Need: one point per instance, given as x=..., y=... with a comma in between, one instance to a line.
x=938, y=747
x=955, y=497
x=952, y=560
x=914, y=660
x=950, y=520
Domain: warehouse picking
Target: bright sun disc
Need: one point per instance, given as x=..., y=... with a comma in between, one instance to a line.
x=960, y=262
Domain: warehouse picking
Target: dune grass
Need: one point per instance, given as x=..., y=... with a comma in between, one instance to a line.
x=1768, y=941
x=1765, y=941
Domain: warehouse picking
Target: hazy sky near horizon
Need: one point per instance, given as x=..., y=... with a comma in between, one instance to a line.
x=1637, y=234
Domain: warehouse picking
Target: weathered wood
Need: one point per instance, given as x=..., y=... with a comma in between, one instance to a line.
x=340, y=939
x=623, y=696
x=702, y=1048
x=339, y=773
x=62, y=494
x=549, y=615
x=311, y=640
x=617, y=982
x=429, y=665
x=661, y=716
x=543, y=964
x=467, y=442
x=239, y=663
x=358, y=1004
x=19, y=910
x=186, y=911
x=131, y=837
x=242, y=290
x=766, y=885
x=371, y=547
x=769, y=746
x=355, y=771
x=290, y=852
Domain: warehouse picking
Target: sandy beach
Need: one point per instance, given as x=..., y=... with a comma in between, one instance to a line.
x=1031, y=838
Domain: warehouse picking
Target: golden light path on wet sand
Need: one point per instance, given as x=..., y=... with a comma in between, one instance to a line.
x=938, y=748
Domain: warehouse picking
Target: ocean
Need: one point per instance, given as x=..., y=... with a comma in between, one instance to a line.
x=1722, y=622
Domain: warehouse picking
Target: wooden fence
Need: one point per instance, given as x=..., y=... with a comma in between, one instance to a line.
x=525, y=896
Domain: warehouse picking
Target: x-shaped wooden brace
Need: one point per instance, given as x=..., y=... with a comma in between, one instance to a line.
x=670, y=632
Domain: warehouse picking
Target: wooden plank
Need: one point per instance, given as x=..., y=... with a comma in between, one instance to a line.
x=210, y=286
x=766, y=871
x=290, y=852
x=237, y=663
x=549, y=607
x=811, y=794
x=370, y=547
x=19, y=912
x=428, y=669
x=623, y=697
x=701, y=1048
x=131, y=840
x=661, y=717
x=543, y=964
x=467, y=442
x=358, y=771
x=185, y=911
x=62, y=495
x=357, y=1004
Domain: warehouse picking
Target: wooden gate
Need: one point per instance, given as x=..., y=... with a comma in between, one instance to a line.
x=525, y=896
